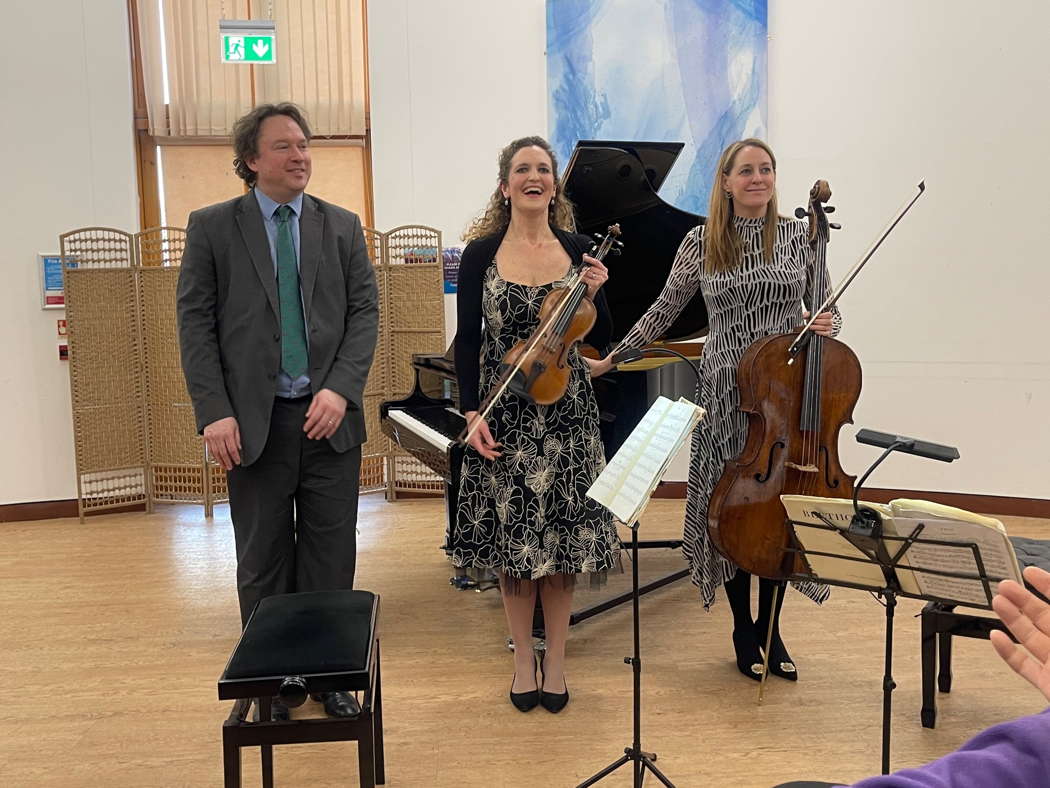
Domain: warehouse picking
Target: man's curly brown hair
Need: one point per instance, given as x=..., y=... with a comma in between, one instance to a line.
x=246, y=134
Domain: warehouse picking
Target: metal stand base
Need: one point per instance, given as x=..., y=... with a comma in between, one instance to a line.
x=641, y=760
x=634, y=754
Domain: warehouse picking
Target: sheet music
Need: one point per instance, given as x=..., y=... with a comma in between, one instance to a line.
x=901, y=518
x=628, y=480
x=804, y=508
x=997, y=555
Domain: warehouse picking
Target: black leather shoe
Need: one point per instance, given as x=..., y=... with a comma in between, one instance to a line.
x=339, y=704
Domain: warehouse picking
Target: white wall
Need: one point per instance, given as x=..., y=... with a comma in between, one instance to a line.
x=69, y=152
x=950, y=321
x=452, y=82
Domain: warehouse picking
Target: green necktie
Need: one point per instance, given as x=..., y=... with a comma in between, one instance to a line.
x=293, y=328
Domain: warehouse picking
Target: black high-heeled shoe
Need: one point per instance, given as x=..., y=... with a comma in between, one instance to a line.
x=525, y=701
x=780, y=662
x=748, y=656
x=553, y=701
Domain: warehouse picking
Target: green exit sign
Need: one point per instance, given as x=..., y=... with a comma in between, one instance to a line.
x=248, y=41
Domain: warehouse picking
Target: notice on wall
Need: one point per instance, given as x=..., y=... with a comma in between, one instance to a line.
x=52, y=288
x=450, y=257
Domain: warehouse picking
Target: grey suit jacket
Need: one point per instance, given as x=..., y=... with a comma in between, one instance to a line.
x=229, y=315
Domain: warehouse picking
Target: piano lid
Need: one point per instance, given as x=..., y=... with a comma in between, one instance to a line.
x=617, y=181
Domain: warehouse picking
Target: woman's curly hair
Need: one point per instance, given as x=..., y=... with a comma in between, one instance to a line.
x=496, y=215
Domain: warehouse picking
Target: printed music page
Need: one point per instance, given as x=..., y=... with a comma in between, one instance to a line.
x=632, y=474
x=839, y=512
x=946, y=523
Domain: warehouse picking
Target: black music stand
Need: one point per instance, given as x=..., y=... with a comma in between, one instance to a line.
x=865, y=534
x=876, y=551
x=633, y=753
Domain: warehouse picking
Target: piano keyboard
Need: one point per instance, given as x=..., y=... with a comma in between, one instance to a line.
x=422, y=430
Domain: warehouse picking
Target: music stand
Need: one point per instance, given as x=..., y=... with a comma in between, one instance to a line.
x=628, y=509
x=634, y=753
x=886, y=551
x=878, y=553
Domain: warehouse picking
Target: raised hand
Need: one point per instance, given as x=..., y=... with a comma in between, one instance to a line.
x=1028, y=617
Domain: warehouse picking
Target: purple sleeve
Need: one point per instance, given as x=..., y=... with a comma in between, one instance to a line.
x=1015, y=753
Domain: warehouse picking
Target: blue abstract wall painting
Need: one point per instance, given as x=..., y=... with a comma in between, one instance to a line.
x=691, y=71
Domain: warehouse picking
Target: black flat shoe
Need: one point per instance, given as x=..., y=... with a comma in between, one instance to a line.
x=341, y=705
x=748, y=656
x=525, y=701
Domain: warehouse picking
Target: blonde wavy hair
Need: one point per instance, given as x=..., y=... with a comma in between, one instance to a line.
x=722, y=249
x=496, y=216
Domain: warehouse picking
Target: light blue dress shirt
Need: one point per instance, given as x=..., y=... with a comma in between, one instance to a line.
x=286, y=386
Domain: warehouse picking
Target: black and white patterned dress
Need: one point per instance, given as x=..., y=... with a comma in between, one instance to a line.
x=751, y=301
x=525, y=513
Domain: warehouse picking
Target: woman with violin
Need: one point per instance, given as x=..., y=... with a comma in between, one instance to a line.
x=755, y=269
x=522, y=510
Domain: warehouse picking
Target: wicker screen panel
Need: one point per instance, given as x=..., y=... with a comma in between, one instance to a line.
x=415, y=323
x=415, y=302
x=376, y=449
x=97, y=247
x=105, y=359
x=176, y=453
x=159, y=247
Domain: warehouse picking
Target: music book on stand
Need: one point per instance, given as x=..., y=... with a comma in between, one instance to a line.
x=900, y=518
x=634, y=471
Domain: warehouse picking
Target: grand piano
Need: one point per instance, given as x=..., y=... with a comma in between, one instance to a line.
x=608, y=182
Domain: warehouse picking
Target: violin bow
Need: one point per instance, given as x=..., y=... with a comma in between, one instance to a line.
x=834, y=297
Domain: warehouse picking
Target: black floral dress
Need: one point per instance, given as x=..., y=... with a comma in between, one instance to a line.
x=526, y=513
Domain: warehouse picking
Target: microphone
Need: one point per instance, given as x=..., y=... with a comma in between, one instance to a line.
x=625, y=354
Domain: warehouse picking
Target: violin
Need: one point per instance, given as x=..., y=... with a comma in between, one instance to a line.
x=797, y=394
x=537, y=368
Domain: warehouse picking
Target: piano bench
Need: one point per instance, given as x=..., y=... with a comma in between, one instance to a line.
x=295, y=645
x=940, y=621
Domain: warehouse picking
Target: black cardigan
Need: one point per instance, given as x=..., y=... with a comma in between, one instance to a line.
x=476, y=259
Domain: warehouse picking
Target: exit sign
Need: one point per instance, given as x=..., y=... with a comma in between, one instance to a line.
x=248, y=41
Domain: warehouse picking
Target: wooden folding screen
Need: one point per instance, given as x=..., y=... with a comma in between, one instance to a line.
x=133, y=426
x=134, y=431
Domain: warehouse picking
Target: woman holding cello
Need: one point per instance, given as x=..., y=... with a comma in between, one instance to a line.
x=522, y=510
x=755, y=269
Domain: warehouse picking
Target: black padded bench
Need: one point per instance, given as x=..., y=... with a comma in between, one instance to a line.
x=940, y=622
x=295, y=645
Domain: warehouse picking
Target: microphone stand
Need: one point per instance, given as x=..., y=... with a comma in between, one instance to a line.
x=634, y=754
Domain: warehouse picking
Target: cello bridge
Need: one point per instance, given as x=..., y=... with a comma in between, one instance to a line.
x=802, y=468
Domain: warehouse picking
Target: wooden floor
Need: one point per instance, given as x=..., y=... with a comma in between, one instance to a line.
x=115, y=632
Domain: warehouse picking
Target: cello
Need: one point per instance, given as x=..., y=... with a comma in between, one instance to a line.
x=798, y=393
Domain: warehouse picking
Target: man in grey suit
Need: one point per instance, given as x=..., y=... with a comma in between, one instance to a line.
x=278, y=317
